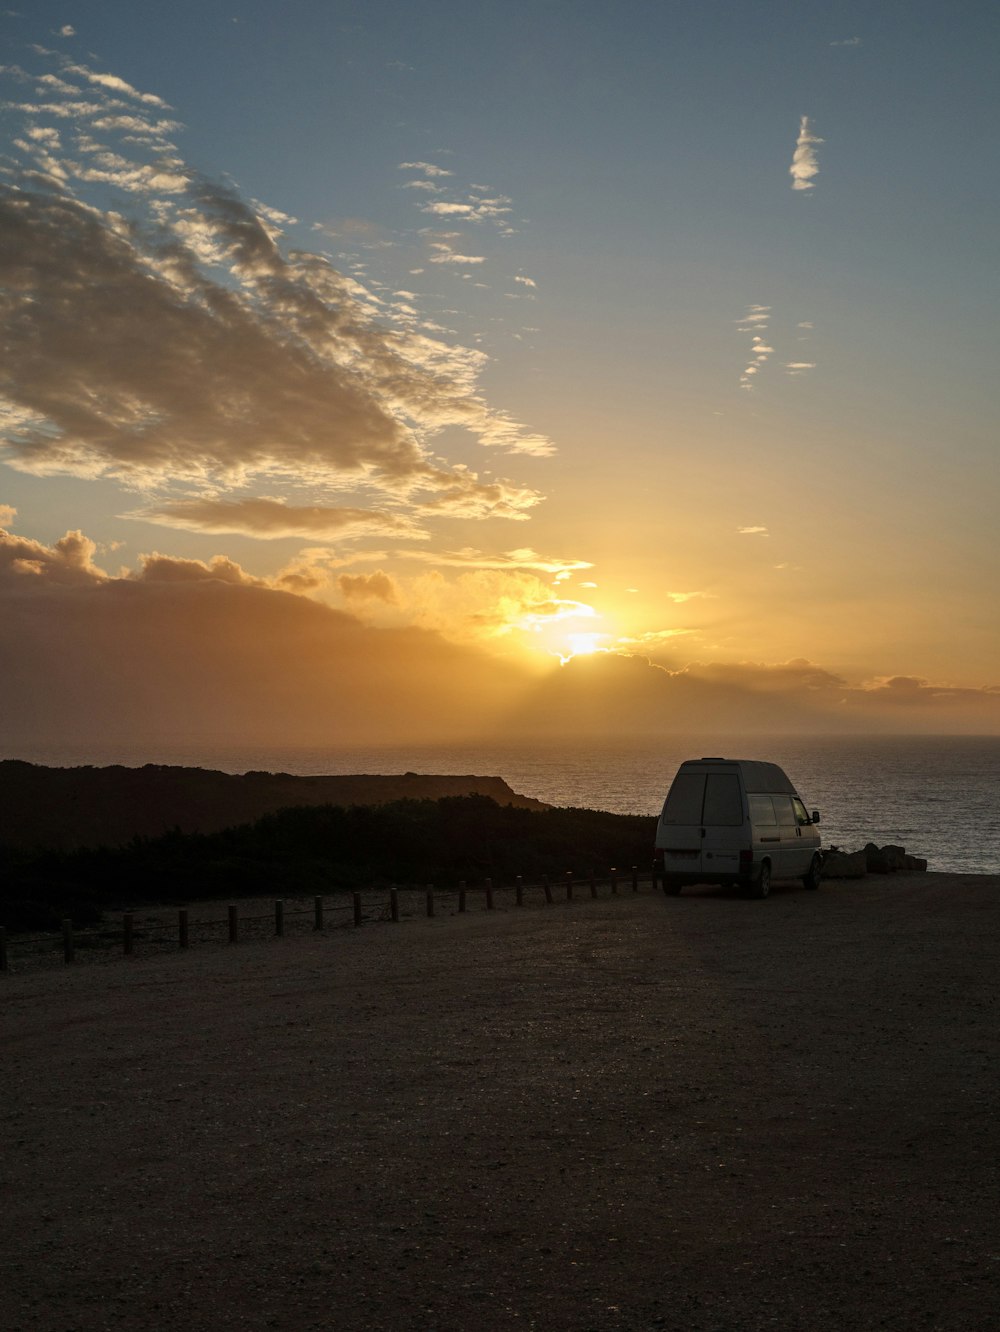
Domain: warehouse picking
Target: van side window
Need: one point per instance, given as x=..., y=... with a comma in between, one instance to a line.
x=784, y=811
x=801, y=813
x=762, y=811
x=685, y=798
x=723, y=807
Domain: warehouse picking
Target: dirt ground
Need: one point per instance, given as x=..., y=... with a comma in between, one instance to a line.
x=697, y=1113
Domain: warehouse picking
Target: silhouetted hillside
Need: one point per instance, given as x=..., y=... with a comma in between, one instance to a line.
x=321, y=850
x=65, y=808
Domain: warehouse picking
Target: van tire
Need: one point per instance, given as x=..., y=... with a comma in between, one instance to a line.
x=811, y=880
x=761, y=886
x=671, y=885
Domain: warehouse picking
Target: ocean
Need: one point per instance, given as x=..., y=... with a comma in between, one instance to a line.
x=939, y=796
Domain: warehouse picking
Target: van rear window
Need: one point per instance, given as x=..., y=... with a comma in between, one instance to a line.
x=712, y=799
x=685, y=799
x=723, y=807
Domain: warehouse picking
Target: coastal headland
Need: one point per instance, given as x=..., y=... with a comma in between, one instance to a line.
x=67, y=808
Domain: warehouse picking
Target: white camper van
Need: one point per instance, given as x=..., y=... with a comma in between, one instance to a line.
x=736, y=821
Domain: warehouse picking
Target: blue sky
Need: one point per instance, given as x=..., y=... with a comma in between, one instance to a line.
x=733, y=416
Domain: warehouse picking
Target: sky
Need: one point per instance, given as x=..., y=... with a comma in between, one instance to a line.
x=387, y=371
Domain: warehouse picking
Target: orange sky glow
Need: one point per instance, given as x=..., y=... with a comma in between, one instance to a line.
x=342, y=415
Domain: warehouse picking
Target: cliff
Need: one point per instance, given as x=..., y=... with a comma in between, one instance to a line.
x=65, y=808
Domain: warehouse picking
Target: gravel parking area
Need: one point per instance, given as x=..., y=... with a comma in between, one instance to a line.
x=636, y=1113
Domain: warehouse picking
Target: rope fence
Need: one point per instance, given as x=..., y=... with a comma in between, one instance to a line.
x=157, y=931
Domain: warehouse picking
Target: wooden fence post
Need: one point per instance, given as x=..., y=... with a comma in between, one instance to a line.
x=182, y=927
x=3, y=949
x=356, y=899
x=519, y=891
x=127, y=933
x=614, y=880
x=461, y=894
x=430, y=899
x=233, y=926
x=548, y=889
x=635, y=878
x=394, y=903
x=317, y=913
x=67, y=932
x=569, y=885
x=489, y=894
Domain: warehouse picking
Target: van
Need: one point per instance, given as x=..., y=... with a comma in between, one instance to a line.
x=736, y=821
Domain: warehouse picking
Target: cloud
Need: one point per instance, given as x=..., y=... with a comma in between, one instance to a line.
x=753, y=531
x=848, y=41
x=67, y=30
x=7, y=515
x=365, y=587
x=428, y=168
x=489, y=603
x=116, y=84
x=192, y=652
x=804, y=162
x=525, y=281
x=681, y=597
x=175, y=342
x=755, y=320
x=478, y=210
x=188, y=652
x=524, y=558
x=69, y=560
x=797, y=367
x=174, y=569
x=450, y=257
x=274, y=519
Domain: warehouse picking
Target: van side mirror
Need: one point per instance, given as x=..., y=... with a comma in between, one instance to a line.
x=815, y=816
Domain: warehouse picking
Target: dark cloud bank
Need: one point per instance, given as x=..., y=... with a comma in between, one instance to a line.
x=184, y=652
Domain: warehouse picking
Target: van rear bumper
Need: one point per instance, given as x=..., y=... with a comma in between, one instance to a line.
x=707, y=876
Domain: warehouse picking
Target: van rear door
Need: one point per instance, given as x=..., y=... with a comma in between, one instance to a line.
x=722, y=819
x=701, y=821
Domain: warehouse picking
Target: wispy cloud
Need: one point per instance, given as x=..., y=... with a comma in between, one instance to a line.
x=799, y=367
x=848, y=41
x=756, y=319
x=274, y=519
x=475, y=210
x=805, y=165
x=755, y=322
x=523, y=558
x=681, y=597
x=428, y=168
x=753, y=531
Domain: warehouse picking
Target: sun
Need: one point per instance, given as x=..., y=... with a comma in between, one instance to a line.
x=581, y=645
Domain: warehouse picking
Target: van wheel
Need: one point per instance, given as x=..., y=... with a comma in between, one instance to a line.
x=671, y=885
x=761, y=886
x=811, y=880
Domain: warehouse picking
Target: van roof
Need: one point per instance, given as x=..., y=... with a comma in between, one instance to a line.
x=759, y=778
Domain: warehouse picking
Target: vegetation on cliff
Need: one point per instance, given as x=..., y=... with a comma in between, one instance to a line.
x=321, y=849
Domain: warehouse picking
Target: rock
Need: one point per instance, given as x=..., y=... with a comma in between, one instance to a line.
x=885, y=859
x=914, y=863
x=845, y=865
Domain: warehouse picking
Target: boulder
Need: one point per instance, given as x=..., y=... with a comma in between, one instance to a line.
x=845, y=864
x=885, y=859
x=914, y=863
